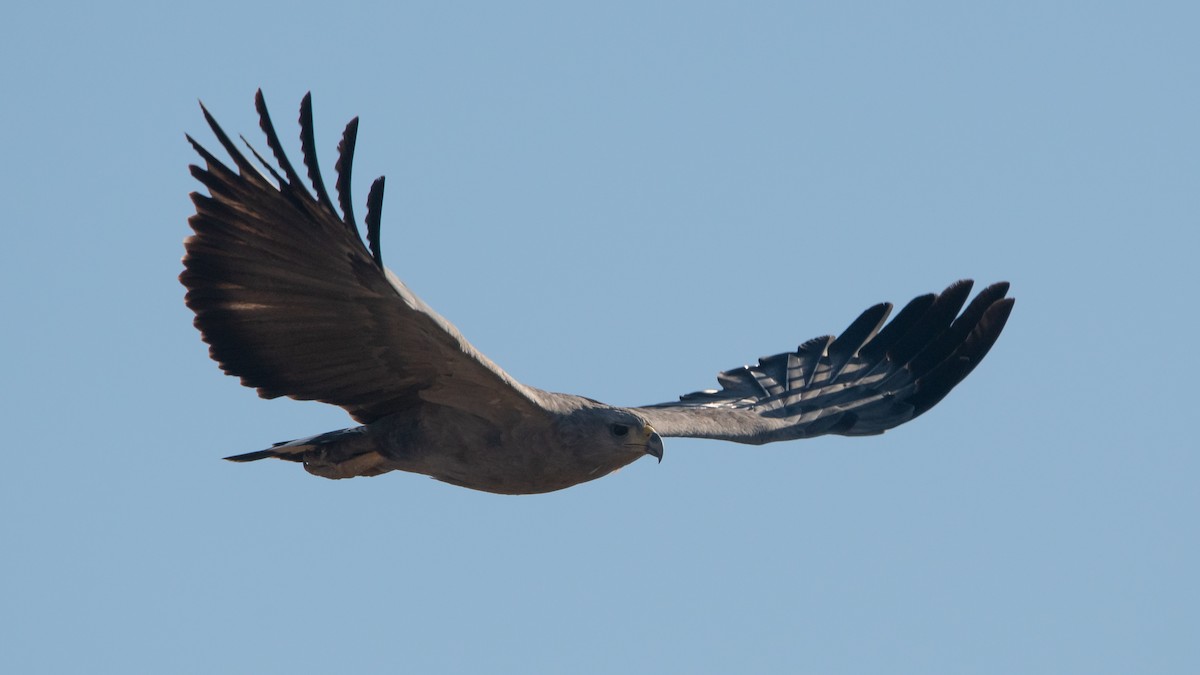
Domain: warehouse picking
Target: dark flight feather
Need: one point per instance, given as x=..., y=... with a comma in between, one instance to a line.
x=344, y=168
x=308, y=149
x=374, y=213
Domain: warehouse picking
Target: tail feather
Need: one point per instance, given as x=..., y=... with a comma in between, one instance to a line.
x=337, y=454
x=255, y=456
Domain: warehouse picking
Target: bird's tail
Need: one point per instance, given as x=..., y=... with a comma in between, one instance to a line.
x=336, y=454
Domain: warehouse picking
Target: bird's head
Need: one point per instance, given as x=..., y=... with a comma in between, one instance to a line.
x=611, y=433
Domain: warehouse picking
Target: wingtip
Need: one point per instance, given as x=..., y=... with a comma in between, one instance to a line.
x=208, y=116
x=1000, y=310
x=954, y=287
x=344, y=168
x=1000, y=287
x=308, y=151
x=374, y=214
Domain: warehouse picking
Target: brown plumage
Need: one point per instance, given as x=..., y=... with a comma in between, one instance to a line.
x=292, y=300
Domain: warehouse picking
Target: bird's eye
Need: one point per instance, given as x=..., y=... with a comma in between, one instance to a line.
x=618, y=429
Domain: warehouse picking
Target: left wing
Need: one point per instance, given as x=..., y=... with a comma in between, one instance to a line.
x=863, y=382
x=292, y=300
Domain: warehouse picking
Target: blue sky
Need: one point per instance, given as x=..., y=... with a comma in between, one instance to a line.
x=619, y=200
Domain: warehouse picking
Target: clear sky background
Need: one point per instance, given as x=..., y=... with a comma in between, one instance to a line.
x=619, y=200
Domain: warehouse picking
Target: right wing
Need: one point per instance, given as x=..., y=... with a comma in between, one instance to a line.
x=863, y=382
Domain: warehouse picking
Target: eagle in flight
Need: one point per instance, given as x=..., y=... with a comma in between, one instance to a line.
x=291, y=300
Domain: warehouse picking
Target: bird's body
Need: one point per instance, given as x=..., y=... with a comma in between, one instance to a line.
x=292, y=300
x=510, y=456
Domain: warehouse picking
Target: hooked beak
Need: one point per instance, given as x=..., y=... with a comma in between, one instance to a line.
x=654, y=444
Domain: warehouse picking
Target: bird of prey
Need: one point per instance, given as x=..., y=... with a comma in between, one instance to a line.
x=291, y=300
